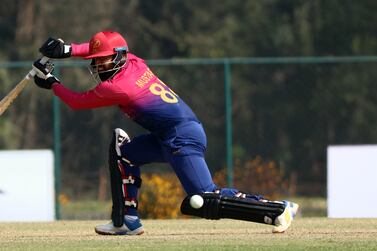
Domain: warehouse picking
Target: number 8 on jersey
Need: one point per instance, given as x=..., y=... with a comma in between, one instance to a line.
x=167, y=96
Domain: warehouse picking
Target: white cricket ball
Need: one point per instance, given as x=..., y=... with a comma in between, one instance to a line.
x=196, y=201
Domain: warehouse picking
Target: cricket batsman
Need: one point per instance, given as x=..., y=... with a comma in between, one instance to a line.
x=176, y=137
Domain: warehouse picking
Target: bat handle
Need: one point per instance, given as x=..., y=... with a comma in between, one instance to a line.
x=32, y=73
x=44, y=60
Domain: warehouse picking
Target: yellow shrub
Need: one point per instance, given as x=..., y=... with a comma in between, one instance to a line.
x=161, y=196
x=63, y=199
x=257, y=176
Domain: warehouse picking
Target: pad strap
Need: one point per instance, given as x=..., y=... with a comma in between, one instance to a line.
x=128, y=180
x=131, y=202
x=131, y=180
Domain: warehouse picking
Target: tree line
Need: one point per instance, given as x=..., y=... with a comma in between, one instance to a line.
x=286, y=113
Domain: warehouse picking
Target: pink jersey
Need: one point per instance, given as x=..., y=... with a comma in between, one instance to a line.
x=136, y=90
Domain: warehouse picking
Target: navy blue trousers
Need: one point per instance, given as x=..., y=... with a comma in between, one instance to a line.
x=183, y=148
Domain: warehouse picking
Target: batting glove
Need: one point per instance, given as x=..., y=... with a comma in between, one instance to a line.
x=55, y=48
x=43, y=77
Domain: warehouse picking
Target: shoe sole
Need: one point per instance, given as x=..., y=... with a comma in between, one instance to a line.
x=135, y=232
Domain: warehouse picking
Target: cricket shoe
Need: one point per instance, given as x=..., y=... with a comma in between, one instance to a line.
x=283, y=221
x=131, y=226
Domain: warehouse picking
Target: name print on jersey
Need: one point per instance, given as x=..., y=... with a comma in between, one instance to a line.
x=145, y=78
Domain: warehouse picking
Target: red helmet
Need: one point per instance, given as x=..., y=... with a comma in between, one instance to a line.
x=106, y=43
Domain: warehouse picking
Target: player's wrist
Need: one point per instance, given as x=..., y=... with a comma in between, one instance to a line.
x=55, y=84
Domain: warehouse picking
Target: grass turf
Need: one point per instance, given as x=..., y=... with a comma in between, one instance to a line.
x=194, y=234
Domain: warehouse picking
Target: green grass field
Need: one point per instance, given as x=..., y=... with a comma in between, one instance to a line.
x=195, y=234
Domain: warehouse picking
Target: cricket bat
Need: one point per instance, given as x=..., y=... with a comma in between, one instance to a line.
x=12, y=95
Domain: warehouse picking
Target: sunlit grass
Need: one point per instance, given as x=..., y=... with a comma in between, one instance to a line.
x=305, y=234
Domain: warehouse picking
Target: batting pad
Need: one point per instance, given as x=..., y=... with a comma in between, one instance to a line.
x=217, y=207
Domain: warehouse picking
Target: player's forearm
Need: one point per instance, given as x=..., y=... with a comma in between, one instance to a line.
x=80, y=50
x=78, y=101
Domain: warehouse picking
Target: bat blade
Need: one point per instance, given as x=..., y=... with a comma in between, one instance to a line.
x=12, y=95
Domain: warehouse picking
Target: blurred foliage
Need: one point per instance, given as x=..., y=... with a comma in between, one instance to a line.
x=285, y=113
x=257, y=176
x=160, y=196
